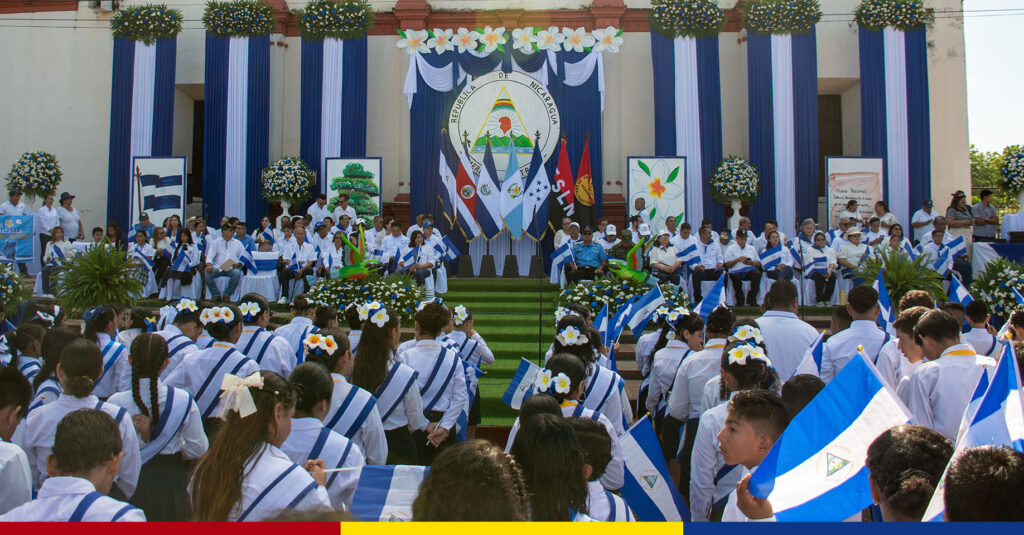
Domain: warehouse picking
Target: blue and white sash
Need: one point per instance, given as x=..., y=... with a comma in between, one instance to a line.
x=353, y=411
x=290, y=478
x=393, y=388
x=118, y=413
x=300, y=353
x=172, y=417
x=58, y=256
x=445, y=366
x=177, y=343
x=111, y=353
x=467, y=352
x=600, y=387
x=617, y=509
x=582, y=412
x=254, y=344
x=29, y=367
x=78, y=515
x=208, y=395
x=49, y=387
x=333, y=457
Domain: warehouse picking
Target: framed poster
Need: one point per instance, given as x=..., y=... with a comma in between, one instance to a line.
x=158, y=188
x=859, y=178
x=661, y=182
x=360, y=179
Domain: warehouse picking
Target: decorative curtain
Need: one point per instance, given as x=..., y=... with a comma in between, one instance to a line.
x=782, y=72
x=688, y=115
x=141, y=115
x=333, y=103
x=894, y=113
x=237, y=126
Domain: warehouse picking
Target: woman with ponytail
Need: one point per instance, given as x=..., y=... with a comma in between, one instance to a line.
x=202, y=372
x=245, y=476
x=170, y=432
x=310, y=439
x=81, y=363
x=101, y=325
x=687, y=330
x=377, y=370
x=744, y=366
x=45, y=384
x=24, y=345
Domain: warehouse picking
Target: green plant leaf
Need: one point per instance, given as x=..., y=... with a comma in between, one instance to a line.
x=672, y=176
x=902, y=274
x=644, y=167
x=101, y=275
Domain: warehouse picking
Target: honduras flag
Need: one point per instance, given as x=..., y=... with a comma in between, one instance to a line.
x=538, y=191
x=815, y=471
x=488, y=206
x=643, y=308
x=385, y=493
x=714, y=298
x=998, y=421
x=811, y=363
x=958, y=292
x=512, y=195
x=771, y=258
x=521, y=386
x=648, y=489
x=885, y=313
x=690, y=256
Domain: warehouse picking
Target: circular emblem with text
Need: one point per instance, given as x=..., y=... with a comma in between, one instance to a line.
x=510, y=110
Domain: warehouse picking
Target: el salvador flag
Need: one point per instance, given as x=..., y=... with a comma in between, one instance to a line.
x=648, y=489
x=386, y=493
x=885, y=312
x=521, y=386
x=714, y=298
x=815, y=471
x=771, y=257
x=643, y=308
x=958, y=292
x=689, y=255
x=998, y=421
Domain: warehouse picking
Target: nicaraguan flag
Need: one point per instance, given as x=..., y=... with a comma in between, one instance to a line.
x=958, y=292
x=412, y=253
x=885, y=312
x=648, y=489
x=818, y=265
x=714, y=298
x=601, y=322
x=794, y=253
x=385, y=493
x=451, y=252
x=815, y=471
x=265, y=261
x=998, y=421
x=811, y=363
x=488, y=195
x=521, y=386
x=294, y=266
x=643, y=308
x=831, y=235
x=618, y=322
x=512, y=194
x=690, y=256
x=268, y=235
x=247, y=261
x=941, y=264
x=447, y=166
x=771, y=257
x=957, y=247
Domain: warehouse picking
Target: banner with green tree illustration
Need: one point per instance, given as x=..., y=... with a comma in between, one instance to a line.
x=360, y=179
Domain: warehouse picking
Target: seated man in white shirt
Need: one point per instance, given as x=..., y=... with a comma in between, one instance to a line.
x=681, y=238
x=609, y=238
x=711, y=262
x=744, y=264
x=297, y=262
x=222, y=260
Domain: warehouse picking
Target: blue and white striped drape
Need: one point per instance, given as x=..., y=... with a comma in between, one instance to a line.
x=894, y=113
x=236, y=135
x=333, y=107
x=688, y=115
x=141, y=115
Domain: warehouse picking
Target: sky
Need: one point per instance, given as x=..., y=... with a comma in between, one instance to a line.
x=995, y=72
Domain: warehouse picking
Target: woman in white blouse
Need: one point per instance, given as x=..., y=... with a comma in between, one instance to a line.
x=820, y=266
x=664, y=264
x=46, y=219
x=886, y=218
x=70, y=220
x=333, y=258
x=851, y=214
x=421, y=261
x=54, y=254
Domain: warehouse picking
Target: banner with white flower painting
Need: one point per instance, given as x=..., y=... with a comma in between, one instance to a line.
x=661, y=183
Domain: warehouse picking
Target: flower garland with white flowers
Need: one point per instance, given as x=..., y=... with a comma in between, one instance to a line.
x=525, y=40
x=995, y=285
x=337, y=19
x=36, y=174
x=686, y=18
x=903, y=15
x=12, y=291
x=146, y=23
x=614, y=292
x=287, y=179
x=735, y=178
x=1013, y=170
x=399, y=292
x=781, y=16
x=238, y=18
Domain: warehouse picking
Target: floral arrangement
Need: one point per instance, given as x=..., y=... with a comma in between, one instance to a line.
x=526, y=40
x=735, y=178
x=35, y=174
x=99, y=275
x=399, y=292
x=781, y=16
x=1013, y=169
x=614, y=292
x=994, y=286
x=238, y=18
x=686, y=18
x=12, y=291
x=287, y=179
x=146, y=23
x=338, y=19
x=903, y=15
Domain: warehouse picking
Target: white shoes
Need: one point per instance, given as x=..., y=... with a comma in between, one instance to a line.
x=282, y=301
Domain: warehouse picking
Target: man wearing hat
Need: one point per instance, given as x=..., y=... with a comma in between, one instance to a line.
x=622, y=246
x=923, y=221
x=590, y=259
x=573, y=237
x=849, y=254
x=143, y=224
x=70, y=220
x=744, y=264
x=322, y=238
x=608, y=239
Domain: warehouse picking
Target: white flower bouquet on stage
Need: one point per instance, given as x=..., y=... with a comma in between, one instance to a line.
x=690, y=18
x=993, y=286
x=12, y=291
x=735, y=182
x=900, y=14
x=287, y=181
x=1013, y=173
x=399, y=292
x=35, y=174
x=615, y=292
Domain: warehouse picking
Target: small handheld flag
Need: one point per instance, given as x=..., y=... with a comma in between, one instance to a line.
x=386, y=493
x=648, y=488
x=521, y=386
x=714, y=298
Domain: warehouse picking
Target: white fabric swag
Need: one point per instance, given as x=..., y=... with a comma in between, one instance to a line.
x=687, y=123
x=330, y=108
x=143, y=87
x=237, y=125
x=784, y=132
x=896, y=123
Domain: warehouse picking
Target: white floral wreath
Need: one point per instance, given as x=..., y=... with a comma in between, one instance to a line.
x=461, y=314
x=186, y=304
x=249, y=310
x=677, y=314
x=366, y=309
x=377, y=314
x=741, y=354
x=571, y=336
x=562, y=312
x=217, y=315
x=314, y=342
x=545, y=381
x=748, y=334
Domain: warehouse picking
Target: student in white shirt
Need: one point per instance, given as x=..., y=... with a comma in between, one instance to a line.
x=472, y=350
x=744, y=264
x=938, y=392
x=682, y=238
x=901, y=356
x=321, y=238
x=393, y=383
x=905, y=464
x=24, y=345
x=270, y=351
x=684, y=336
x=785, y=335
x=182, y=333
x=170, y=428
x=712, y=263
x=222, y=260
x=298, y=261
x=596, y=447
x=86, y=458
x=45, y=384
x=15, y=473
x=863, y=332
x=284, y=239
x=146, y=255
x=547, y=450
x=318, y=210
x=245, y=476
x=294, y=332
x=183, y=268
x=820, y=264
x=310, y=439
x=332, y=256
x=418, y=259
x=101, y=329
x=80, y=365
x=644, y=348
x=981, y=336
x=851, y=214
x=923, y=221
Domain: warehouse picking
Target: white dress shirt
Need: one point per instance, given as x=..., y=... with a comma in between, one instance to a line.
x=221, y=251
x=350, y=212
x=734, y=251
x=168, y=333
x=69, y=221
x=59, y=498
x=119, y=376
x=681, y=243
x=810, y=253
x=304, y=253
x=19, y=209
x=341, y=486
x=260, y=474
x=664, y=255
x=645, y=350
x=295, y=331
x=710, y=254
x=983, y=343
x=389, y=244
x=937, y=393
x=601, y=505
x=842, y=346
x=665, y=364
x=370, y=436
x=48, y=219
x=920, y=216
x=694, y=373
x=454, y=397
x=281, y=244
x=190, y=439
x=15, y=477
x=705, y=462
x=318, y=213
x=410, y=414
x=852, y=253
x=786, y=337
x=279, y=357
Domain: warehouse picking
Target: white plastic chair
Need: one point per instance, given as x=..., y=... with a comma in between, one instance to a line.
x=264, y=280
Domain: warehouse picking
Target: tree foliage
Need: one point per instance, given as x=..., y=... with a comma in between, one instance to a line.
x=986, y=174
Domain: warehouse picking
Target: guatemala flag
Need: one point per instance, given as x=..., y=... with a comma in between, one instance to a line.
x=648, y=489
x=885, y=312
x=521, y=386
x=815, y=471
x=958, y=292
x=643, y=309
x=714, y=298
x=386, y=493
x=512, y=195
x=998, y=421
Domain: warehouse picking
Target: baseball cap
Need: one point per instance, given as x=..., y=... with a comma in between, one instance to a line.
x=65, y=196
x=143, y=215
x=741, y=233
x=610, y=230
x=574, y=224
x=319, y=225
x=588, y=230
x=664, y=232
x=644, y=229
x=928, y=203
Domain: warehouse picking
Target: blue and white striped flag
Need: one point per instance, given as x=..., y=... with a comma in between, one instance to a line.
x=294, y=266
x=818, y=265
x=912, y=252
x=815, y=471
x=1017, y=296
x=771, y=257
x=958, y=292
x=451, y=252
x=885, y=312
x=385, y=493
x=521, y=386
x=246, y=259
x=601, y=323
x=618, y=321
x=643, y=308
x=561, y=256
x=648, y=488
x=996, y=421
x=811, y=363
x=941, y=264
x=410, y=255
x=714, y=298
x=690, y=256
x=268, y=235
x=957, y=247
x=794, y=252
